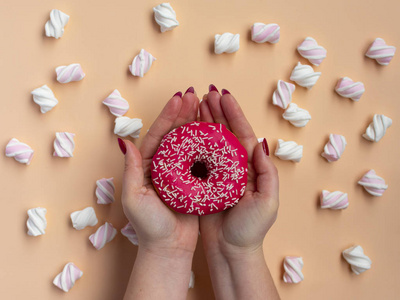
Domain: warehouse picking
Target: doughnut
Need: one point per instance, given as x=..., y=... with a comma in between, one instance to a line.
x=200, y=168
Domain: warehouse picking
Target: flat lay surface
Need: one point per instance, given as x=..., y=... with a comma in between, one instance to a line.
x=104, y=37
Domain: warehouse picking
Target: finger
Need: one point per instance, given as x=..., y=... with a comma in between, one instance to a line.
x=133, y=172
x=205, y=113
x=214, y=103
x=238, y=123
x=267, y=183
x=161, y=126
x=187, y=113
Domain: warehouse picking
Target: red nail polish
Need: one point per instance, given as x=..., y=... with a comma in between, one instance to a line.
x=224, y=92
x=179, y=94
x=190, y=90
x=265, y=147
x=212, y=88
x=122, y=146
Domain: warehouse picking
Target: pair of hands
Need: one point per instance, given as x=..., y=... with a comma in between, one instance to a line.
x=239, y=230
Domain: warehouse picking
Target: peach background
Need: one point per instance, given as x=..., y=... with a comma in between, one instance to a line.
x=104, y=36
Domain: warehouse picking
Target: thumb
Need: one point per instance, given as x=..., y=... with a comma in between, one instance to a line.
x=267, y=183
x=133, y=172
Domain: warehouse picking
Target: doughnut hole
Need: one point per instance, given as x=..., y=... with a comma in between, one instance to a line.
x=199, y=169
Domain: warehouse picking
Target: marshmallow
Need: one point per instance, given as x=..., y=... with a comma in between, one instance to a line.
x=104, y=234
x=377, y=129
x=381, y=52
x=304, y=75
x=192, y=279
x=289, y=151
x=293, y=266
x=129, y=232
x=260, y=140
x=297, y=116
x=310, y=50
x=117, y=105
x=165, y=16
x=349, y=89
x=334, y=200
x=64, y=144
x=358, y=261
x=141, y=63
x=44, y=97
x=227, y=42
x=37, y=222
x=55, y=26
x=21, y=152
x=83, y=218
x=125, y=126
x=67, y=278
x=373, y=184
x=72, y=72
x=334, y=149
x=282, y=96
x=261, y=33
x=105, y=190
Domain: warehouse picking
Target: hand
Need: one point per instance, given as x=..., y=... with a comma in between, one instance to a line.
x=242, y=228
x=159, y=229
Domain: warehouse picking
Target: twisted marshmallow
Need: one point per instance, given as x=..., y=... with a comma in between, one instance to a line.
x=125, y=126
x=297, y=116
x=55, y=26
x=289, y=151
x=44, y=97
x=381, y=52
x=141, y=63
x=227, y=42
x=165, y=16
x=304, y=75
x=21, y=152
x=282, y=96
x=64, y=144
x=310, y=50
x=83, y=218
x=105, y=190
x=37, y=222
x=191, y=281
x=349, y=89
x=104, y=234
x=358, y=261
x=334, y=200
x=117, y=105
x=129, y=232
x=334, y=149
x=67, y=278
x=373, y=184
x=261, y=33
x=72, y=72
x=293, y=266
x=377, y=129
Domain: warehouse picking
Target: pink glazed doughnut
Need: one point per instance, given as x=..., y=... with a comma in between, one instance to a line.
x=200, y=168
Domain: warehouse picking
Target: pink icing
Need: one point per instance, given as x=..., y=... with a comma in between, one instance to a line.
x=214, y=149
x=381, y=52
x=344, y=88
x=69, y=73
x=316, y=55
x=255, y=29
x=20, y=151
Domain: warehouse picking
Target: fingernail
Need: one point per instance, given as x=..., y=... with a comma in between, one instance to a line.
x=122, y=146
x=212, y=88
x=179, y=94
x=265, y=147
x=224, y=92
x=190, y=90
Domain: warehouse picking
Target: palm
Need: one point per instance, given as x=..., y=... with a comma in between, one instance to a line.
x=238, y=226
